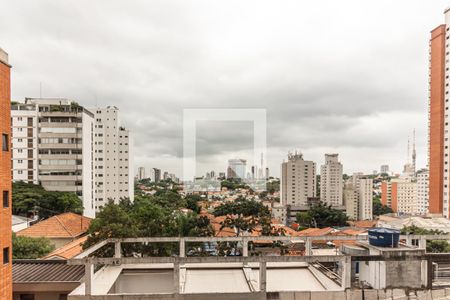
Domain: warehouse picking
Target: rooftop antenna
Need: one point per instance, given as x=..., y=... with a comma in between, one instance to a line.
x=414, y=151
x=407, y=154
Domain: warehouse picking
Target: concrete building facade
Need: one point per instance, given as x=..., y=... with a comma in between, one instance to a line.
x=5, y=178
x=298, y=180
x=422, y=192
x=331, y=182
x=351, y=202
x=53, y=145
x=237, y=169
x=113, y=158
x=141, y=173
x=400, y=194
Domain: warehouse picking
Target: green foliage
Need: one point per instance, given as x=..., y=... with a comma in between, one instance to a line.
x=244, y=215
x=24, y=247
x=192, y=202
x=321, y=215
x=273, y=186
x=435, y=246
x=233, y=184
x=26, y=197
x=147, y=216
x=380, y=209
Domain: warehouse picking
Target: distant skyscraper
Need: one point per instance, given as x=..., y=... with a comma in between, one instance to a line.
x=53, y=144
x=298, y=180
x=112, y=159
x=237, y=168
x=222, y=175
x=141, y=173
x=384, y=169
x=5, y=179
x=438, y=124
x=156, y=175
x=267, y=173
x=331, y=182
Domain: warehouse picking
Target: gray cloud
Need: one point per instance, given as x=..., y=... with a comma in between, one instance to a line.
x=347, y=76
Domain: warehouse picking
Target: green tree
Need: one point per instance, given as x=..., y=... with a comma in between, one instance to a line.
x=434, y=246
x=28, y=198
x=321, y=215
x=380, y=209
x=24, y=247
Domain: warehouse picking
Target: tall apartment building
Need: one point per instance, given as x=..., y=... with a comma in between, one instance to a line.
x=156, y=175
x=53, y=145
x=422, y=192
x=113, y=159
x=400, y=194
x=141, y=173
x=298, y=180
x=351, y=201
x=384, y=169
x=365, y=198
x=358, y=195
x=237, y=169
x=331, y=182
x=438, y=119
x=5, y=179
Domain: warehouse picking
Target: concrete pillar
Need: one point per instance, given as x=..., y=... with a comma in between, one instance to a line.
x=262, y=276
x=422, y=243
x=176, y=277
x=409, y=241
x=182, y=247
x=245, y=248
x=308, y=245
x=117, y=250
x=346, y=272
x=88, y=278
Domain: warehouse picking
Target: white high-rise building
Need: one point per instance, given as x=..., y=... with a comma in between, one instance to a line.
x=422, y=192
x=365, y=198
x=237, y=168
x=359, y=197
x=141, y=173
x=384, y=169
x=331, y=182
x=53, y=145
x=113, y=158
x=298, y=180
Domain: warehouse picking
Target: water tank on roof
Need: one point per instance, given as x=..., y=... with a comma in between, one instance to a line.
x=384, y=237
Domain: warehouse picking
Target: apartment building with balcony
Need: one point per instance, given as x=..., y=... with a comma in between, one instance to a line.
x=113, y=160
x=53, y=145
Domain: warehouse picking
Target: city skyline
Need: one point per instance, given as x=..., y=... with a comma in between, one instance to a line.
x=375, y=103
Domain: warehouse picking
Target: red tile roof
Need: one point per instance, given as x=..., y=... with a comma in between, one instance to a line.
x=69, y=250
x=66, y=225
x=315, y=231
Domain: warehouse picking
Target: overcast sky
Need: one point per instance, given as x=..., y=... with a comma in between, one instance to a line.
x=347, y=76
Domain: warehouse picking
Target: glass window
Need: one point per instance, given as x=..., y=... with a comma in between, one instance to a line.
x=5, y=199
x=5, y=142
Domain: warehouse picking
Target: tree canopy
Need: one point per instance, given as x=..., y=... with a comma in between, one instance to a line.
x=380, y=209
x=24, y=247
x=321, y=215
x=434, y=246
x=28, y=198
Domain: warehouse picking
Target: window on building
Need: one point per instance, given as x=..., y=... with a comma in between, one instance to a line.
x=5, y=142
x=6, y=255
x=5, y=199
x=26, y=297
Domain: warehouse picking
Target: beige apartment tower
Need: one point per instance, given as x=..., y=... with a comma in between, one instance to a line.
x=331, y=182
x=298, y=180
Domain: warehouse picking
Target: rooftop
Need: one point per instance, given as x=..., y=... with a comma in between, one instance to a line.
x=33, y=271
x=66, y=225
x=69, y=250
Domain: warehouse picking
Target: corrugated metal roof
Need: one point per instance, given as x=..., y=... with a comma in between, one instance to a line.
x=45, y=271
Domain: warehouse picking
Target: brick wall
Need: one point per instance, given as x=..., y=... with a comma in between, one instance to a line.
x=5, y=183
